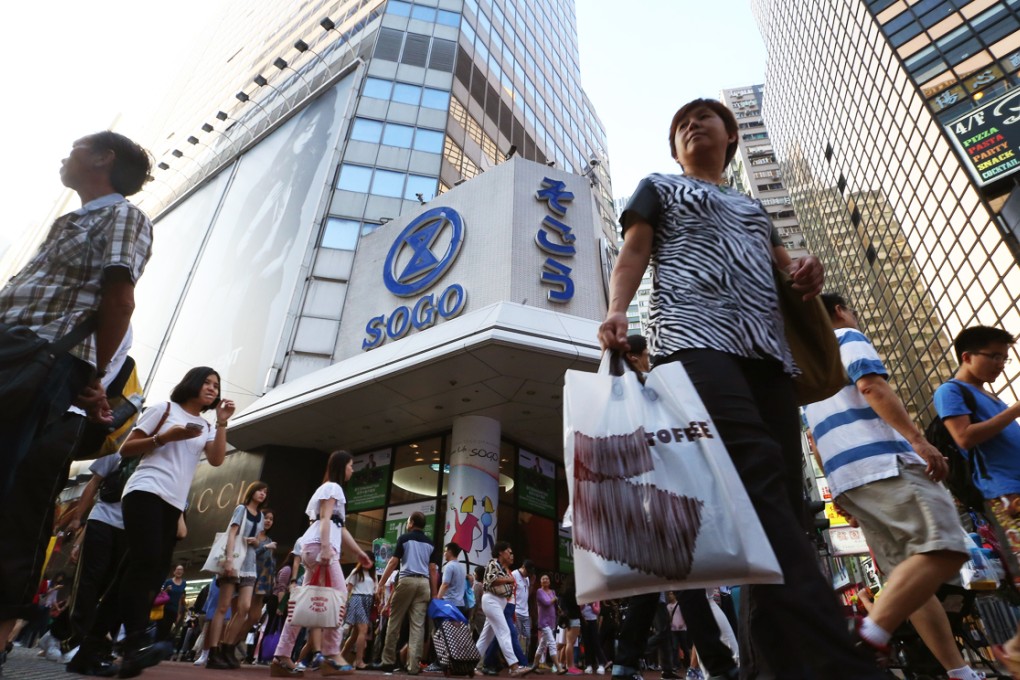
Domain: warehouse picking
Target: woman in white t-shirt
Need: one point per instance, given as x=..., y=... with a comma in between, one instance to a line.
x=320, y=546
x=171, y=437
x=246, y=523
x=360, y=596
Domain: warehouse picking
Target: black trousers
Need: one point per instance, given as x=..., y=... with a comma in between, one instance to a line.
x=102, y=552
x=593, y=654
x=798, y=624
x=150, y=525
x=26, y=515
x=701, y=628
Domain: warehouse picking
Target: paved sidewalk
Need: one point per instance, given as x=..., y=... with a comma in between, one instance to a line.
x=24, y=664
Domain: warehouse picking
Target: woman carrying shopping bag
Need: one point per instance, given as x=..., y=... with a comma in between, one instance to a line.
x=320, y=552
x=715, y=309
x=246, y=524
x=497, y=587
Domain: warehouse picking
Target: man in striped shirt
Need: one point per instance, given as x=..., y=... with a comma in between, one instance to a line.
x=883, y=473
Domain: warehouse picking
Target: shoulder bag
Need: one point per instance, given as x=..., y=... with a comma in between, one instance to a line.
x=812, y=341
x=112, y=486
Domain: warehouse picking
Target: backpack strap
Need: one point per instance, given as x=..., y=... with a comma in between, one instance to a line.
x=977, y=462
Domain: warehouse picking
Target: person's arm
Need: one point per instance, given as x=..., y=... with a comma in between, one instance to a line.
x=433, y=578
x=391, y=564
x=326, y=529
x=216, y=449
x=347, y=540
x=968, y=434
x=116, y=305
x=228, y=566
x=88, y=496
x=884, y=402
x=630, y=267
x=444, y=586
x=807, y=272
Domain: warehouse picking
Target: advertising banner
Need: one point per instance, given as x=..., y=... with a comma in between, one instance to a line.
x=536, y=480
x=366, y=488
x=988, y=138
x=566, y=551
x=848, y=541
x=396, y=519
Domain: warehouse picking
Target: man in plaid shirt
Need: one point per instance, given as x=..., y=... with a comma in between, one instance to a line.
x=86, y=267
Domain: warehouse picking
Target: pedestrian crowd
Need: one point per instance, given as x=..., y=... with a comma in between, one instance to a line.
x=714, y=310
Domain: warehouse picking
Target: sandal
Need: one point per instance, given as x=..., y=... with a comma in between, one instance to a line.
x=280, y=669
x=330, y=667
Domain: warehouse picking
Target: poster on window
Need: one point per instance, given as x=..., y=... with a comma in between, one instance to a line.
x=366, y=488
x=536, y=480
x=566, y=551
x=396, y=519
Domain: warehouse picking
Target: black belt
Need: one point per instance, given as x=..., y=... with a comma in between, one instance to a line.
x=413, y=576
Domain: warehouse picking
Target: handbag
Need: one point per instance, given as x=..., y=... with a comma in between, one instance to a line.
x=217, y=553
x=163, y=598
x=812, y=341
x=655, y=501
x=112, y=486
x=317, y=605
x=25, y=364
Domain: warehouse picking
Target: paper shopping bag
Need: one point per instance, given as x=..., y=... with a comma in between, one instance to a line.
x=655, y=502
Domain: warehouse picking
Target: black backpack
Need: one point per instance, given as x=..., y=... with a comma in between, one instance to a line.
x=962, y=463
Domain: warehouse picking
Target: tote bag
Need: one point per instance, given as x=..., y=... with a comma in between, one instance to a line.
x=219, y=549
x=655, y=502
x=317, y=604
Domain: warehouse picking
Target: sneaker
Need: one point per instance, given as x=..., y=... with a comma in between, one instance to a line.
x=433, y=668
x=574, y=670
x=587, y=670
x=67, y=656
x=601, y=670
x=695, y=674
x=880, y=654
x=202, y=658
x=316, y=661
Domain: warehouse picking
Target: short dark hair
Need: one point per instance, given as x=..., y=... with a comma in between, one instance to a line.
x=417, y=520
x=131, y=163
x=336, y=467
x=637, y=343
x=976, y=338
x=719, y=109
x=831, y=301
x=191, y=385
x=529, y=567
x=252, y=488
x=479, y=572
x=454, y=548
x=500, y=547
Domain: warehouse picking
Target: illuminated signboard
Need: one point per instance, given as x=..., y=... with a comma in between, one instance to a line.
x=989, y=138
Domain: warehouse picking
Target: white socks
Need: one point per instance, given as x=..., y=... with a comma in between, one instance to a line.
x=873, y=633
x=965, y=673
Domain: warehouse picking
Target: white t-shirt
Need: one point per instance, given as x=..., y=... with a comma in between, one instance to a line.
x=521, y=594
x=314, y=532
x=167, y=472
x=366, y=586
x=107, y=513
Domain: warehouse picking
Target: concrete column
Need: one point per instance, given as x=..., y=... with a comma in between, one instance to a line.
x=473, y=497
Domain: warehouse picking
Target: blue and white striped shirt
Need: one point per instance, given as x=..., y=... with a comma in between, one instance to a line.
x=857, y=447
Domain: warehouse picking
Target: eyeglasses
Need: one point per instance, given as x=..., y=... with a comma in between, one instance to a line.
x=1003, y=358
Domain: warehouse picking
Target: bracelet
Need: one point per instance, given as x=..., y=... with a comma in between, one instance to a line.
x=221, y=423
x=155, y=441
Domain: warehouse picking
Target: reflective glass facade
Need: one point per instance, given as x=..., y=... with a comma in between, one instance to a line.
x=881, y=194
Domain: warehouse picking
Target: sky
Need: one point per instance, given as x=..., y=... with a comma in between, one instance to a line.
x=77, y=67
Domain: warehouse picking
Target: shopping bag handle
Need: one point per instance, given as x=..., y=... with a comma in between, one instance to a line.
x=324, y=581
x=614, y=364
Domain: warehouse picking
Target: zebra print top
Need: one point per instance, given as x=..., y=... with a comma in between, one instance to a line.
x=712, y=280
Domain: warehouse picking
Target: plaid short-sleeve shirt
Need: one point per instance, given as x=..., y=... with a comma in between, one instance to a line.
x=61, y=285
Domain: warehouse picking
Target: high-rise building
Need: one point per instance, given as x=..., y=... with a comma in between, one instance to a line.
x=879, y=112
x=754, y=169
x=388, y=226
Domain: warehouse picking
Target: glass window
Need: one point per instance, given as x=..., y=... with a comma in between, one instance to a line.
x=897, y=22
x=416, y=184
x=467, y=31
x=378, y=89
x=962, y=51
x=935, y=15
x=369, y=227
x=398, y=7
x=365, y=130
x=416, y=471
x=911, y=30
x=995, y=24
x=428, y=140
x=448, y=18
x=406, y=94
x=398, y=135
x=387, y=183
x=354, y=178
x=423, y=13
x=340, y=234
x=435, y=99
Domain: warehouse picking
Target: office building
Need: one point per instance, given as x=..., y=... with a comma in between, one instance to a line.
x=883, y=175
x=388, y=225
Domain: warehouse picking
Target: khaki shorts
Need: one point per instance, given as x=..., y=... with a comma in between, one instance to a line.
x=904, y=516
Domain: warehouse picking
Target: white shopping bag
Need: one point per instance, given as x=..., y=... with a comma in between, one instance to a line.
x=214, y=562
x=655, y=502
x=317, y=603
